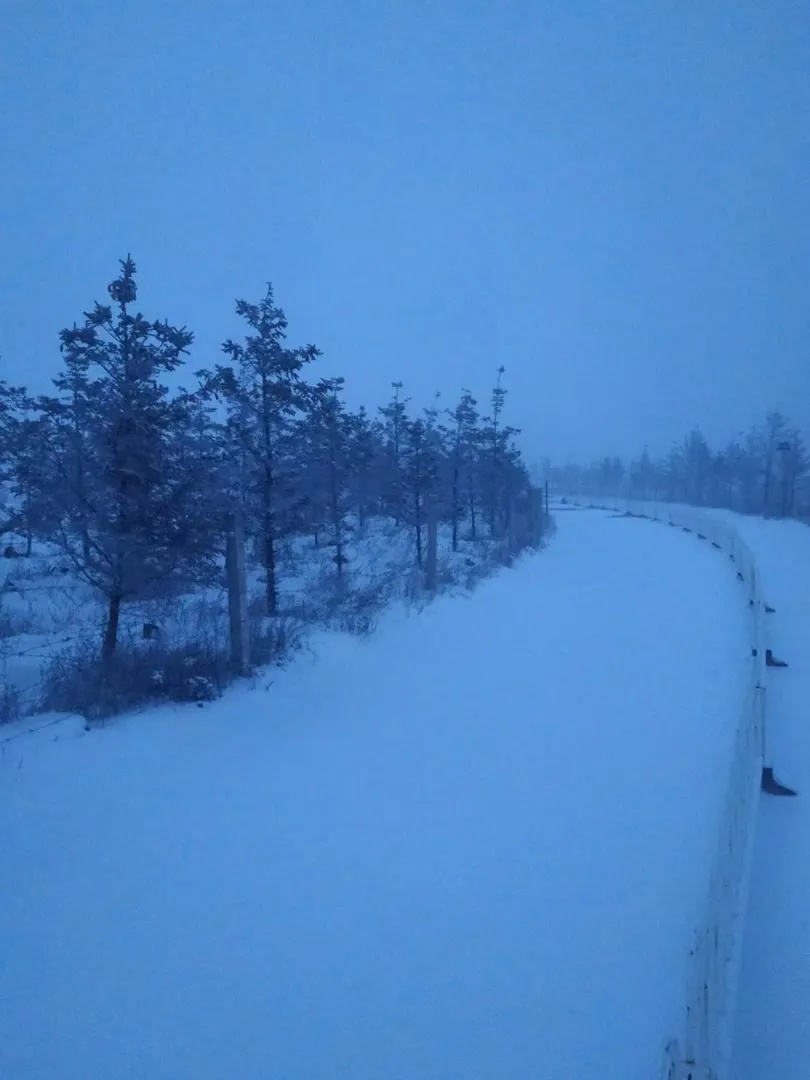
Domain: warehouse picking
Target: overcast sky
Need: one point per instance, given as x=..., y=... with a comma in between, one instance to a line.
x=610, y=199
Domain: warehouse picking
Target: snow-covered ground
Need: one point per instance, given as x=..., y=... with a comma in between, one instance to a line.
x=773, y=1013
x=472, y=846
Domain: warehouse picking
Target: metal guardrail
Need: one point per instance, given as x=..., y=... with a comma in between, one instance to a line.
x=703, y=1049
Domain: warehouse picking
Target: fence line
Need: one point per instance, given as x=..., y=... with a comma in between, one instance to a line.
x=702, y=1050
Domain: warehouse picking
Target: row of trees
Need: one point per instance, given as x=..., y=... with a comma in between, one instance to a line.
x=137, y=483
x=764, y=471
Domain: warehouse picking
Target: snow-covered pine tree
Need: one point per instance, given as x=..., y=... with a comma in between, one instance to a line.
x=24, y=441
x=366, y=466
x=326, y=437
x=464, y=450
x=394, y=417
x=420, y=469
x=264, y=391
x=497, y=461
x=120, y=500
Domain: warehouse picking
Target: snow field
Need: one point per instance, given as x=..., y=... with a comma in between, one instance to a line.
x=473, y=845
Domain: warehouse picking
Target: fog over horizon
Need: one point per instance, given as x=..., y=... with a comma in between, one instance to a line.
x=608, y=200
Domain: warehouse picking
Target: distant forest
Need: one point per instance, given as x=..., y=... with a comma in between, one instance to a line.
x=766, y=471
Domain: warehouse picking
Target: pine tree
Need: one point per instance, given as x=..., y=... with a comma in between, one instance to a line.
x=496, y=440
x=395, y=419
x=20, y=457
x=420, y=472
x=29, y=445
x=265, y=392
x=492, y=451
x=465, y=441
x=12, y=402
x=329, y=441
x=119, y=501
x=365, y=450
x=642, y=475
x=697, y=461
x=772, y=435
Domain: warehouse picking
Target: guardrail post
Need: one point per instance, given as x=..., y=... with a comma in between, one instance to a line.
x=771, y=660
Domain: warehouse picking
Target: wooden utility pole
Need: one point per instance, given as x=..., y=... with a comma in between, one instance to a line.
x=237, y=596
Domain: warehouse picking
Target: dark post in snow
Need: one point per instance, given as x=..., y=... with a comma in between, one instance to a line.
x=237, y=596
x=432, y=560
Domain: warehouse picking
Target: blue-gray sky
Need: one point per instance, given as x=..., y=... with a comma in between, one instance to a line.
x=611, y=199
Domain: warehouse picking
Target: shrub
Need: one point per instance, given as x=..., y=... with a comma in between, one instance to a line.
x=11, y=705
x=79, y=681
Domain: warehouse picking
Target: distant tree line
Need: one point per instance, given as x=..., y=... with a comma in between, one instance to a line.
x=136, y=483
x=765, y=471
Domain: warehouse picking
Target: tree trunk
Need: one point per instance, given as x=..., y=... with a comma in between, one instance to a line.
x=270, y=566
x=455, y=504
x=269, y=543
x=111, y=629
x=334, y=510
x=268, y=523
x=397, y=477
x=361, y=507
x=237, y=597
x=432, y=546
x=418, y=522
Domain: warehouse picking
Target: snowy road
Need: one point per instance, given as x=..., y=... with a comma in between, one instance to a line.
x=473, y=846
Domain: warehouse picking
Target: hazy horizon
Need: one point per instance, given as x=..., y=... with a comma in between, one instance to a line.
x=609, y=201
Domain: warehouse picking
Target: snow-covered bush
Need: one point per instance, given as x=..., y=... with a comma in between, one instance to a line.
x=79, y=681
